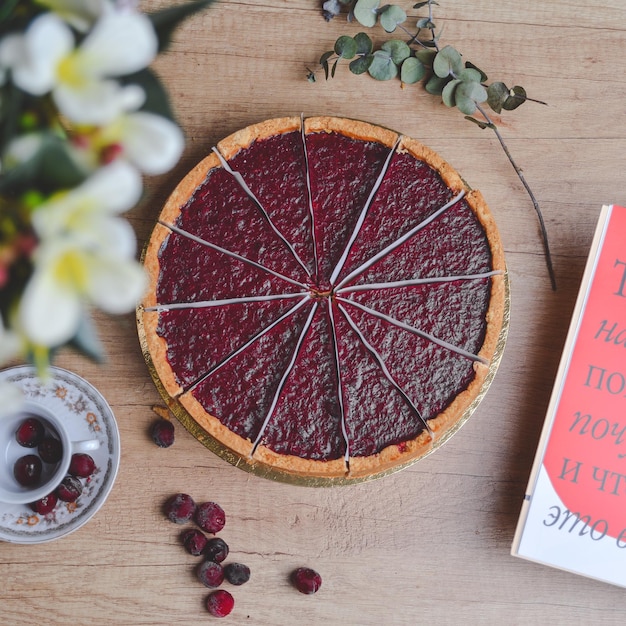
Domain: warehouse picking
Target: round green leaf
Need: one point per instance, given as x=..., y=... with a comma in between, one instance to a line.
x=447, y=62
x=365, y=12
x=361, y=64
x=497, y=93
x=447, y=95
x=516, y=97
x=391, y=16
x=345, y=47
x=434, y=85
x=412, y=71
x=397, y=49
x=382, y=66
x=467, y=95
x=470, y=75
x=364, y=44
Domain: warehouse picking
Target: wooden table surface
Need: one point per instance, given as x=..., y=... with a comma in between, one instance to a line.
x=429, y=544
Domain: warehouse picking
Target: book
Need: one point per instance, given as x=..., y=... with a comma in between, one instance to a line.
x=573, y=515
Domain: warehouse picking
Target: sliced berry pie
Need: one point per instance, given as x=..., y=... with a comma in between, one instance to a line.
x=326, y=298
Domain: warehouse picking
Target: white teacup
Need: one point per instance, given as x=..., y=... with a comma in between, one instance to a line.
x=11, y=491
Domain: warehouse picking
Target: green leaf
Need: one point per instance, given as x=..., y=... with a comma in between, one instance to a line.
x=397, y=49
x=447, y=62
x=365, y=12
x=419, y=5
x=481, y=123
x=345, y=47
x=426, y=56
x=425, y=22
x=382, y=66
x=360, y=65
x=447, y=95
x=412, y=71
x=517, y=97
x=470, y=75
x=483, y=76
x=497, y=93
x=467, y=95
x=165, y=21
x=391, y=17
x=364, y=43
x=157, y=98
x=435, y=85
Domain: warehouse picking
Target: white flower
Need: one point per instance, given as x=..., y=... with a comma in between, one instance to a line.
x=80, y=14
x=86, y=256
x=11, y=398
x=10, y=344
x=45, y=59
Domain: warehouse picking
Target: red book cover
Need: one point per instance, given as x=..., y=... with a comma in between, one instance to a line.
x=574, y=512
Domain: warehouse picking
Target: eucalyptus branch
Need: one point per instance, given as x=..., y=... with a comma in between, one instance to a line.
x=444, y=72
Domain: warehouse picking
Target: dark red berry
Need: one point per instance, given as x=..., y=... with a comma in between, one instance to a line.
x=210, y=517
x=179, y=508
x=50, y=450
x=216, y=549
x=70, y=489
x=30, y=432
x=162, y=432
x=220, y=603
x=194, y=541
x=82, y=465
x=210, y=574
x=306, y=580
x=237, y=573
x=27, y=470
x=45, y=505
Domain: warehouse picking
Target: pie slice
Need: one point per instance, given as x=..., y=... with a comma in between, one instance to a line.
x=327, y=300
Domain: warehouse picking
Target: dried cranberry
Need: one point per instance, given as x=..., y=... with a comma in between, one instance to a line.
x=30, y=432
x=306, y=580
x=216, y=550
x=45, y=505
x=220, y=603
x=70, y=489
x=210, y=517
x=179, y=508
x=27, y=470
x=194, y=541
x=162, y=432
x=210, y=574
x=237, y=573
x=82, y=465
x=50, y=450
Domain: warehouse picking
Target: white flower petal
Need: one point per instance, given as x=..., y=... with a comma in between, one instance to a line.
x=116, y=238
x=49, y=311
x=121, y=42
x=116, y=187
x=96, y=102
x=11, y=398
x=10, y=344
x=116, y=286
x=153, y=143
x=35, y=58
x=81, y=14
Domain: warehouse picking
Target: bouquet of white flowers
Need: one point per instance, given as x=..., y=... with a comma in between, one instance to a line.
x=82, y=118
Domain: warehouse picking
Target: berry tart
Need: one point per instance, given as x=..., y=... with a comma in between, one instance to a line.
x=327, y=300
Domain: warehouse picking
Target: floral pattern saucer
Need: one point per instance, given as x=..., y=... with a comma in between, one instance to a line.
x=88, y=416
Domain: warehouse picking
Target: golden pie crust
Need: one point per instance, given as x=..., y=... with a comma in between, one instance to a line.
x=292, y=468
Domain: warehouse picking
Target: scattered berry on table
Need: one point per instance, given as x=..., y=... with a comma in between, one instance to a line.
x=237, y=573
x=45, y=505
x=30, y=432
x=50, y=450
x=210, y=574
x=70, y=489
x=162, y=432
x=220, y=603
x=194, y=541
x=179, y=508
x=27, y=470
x=216, y=550
x=306, y=580
x=210, y=517
x=82, y=465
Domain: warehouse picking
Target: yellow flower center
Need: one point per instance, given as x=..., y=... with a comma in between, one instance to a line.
x=70, y=270
x=69, y=71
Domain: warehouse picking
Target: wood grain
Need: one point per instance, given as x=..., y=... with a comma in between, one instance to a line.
x=429, y=545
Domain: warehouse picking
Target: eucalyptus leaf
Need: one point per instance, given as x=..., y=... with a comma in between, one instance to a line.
x=517, y=97
x=412, y=70
x=435, y=85
x=447, y=95
x=467, y=95
x=365, y=12
x=497, y=93
x=346, y=47
x=391, y=17
x=165, y=21
x=331, y=8
x=447, y=62
x=483, y=76
x=425, y=22
x=361, y=64
x=364, y=43
x=470, y=75
x=382, y=66
x=426, y=56
x=419, y=5
x=481, y=123
x=397, y=49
